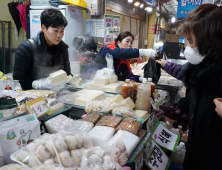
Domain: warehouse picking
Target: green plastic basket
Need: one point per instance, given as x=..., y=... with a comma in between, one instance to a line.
x=64, y=112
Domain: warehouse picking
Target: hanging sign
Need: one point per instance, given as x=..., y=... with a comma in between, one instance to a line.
x=158, y=160
x=108, y=21
x=108, y=37
x=165, y=137
x=185, y=6
x=116, y=23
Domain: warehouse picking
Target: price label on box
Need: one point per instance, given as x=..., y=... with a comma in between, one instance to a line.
x=38, y=107
x=139, y=161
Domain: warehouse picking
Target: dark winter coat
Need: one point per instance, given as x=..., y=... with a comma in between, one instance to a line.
x=204, y=146
x=24, y=70
x=173, y=69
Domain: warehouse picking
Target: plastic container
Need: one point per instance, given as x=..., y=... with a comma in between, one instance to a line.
x=143, y=94
x=135, y=85
x=127, y=90
x=152, y=85
x=40, y=2
x=75, y=67
x=179, y=155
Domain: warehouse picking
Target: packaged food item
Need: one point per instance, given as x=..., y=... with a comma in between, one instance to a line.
x=57, y=107
x=58, y=123
x=69, y=148
x=96, y=159
x=13, y=166
x=109, y=121
x=142, y=114
x=10, y=85
x=47, y=167
x=142, y=134
x=179, y=155
x=100, y=135
x=130, y=140
x=128, y=102
x=116, y=149
x=80, y=126
x=127, y=90
x=130, y=125
x=92, y=118
x=95, y=106
x=124, y=112
x=143, y=94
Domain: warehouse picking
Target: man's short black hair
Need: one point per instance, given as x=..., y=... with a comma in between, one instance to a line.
x=53, y=18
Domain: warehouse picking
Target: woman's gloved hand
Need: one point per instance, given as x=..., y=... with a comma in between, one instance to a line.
x=147, y=52
x=172, y=112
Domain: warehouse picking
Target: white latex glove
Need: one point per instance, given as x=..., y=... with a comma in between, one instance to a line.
x=47, y=84
x=76, y=81
x=147, y=52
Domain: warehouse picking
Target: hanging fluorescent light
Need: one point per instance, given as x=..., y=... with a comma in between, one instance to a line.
x=130, y=1
x=137, y=3
x=173, y=19
x=149, y=9
x=142, y=5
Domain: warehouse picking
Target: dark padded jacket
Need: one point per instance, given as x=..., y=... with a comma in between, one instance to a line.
x=205, y=125
x=50, y=56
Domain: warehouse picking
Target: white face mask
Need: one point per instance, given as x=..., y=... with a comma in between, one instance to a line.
x=193, y=55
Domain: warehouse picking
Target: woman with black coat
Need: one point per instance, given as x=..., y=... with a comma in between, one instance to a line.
x=203, y=74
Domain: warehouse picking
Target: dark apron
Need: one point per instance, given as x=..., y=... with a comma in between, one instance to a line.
x=43, y=65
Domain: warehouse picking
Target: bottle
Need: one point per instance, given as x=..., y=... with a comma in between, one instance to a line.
x=180, y=130
x=135, y=85
x=179, y=155
x=127, y=90
x=152, y=85
x=143, y=94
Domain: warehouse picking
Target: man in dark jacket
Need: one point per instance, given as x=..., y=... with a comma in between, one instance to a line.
x=40, y=56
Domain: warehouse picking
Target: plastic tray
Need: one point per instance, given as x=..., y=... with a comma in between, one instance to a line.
x=64, y=112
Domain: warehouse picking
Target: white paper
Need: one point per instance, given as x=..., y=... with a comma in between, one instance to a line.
x=108, y=38
x=95, y=27
x=108, y=21
x=39, y=108
x=159, y=159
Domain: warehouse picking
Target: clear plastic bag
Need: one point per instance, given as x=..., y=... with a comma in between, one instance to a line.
x=47, y=84
x=80, y=126
x=94, y=106
x=92, y=118
x=124, y=112
x=47, y=167
x=96, y=159
x=69, y=148
x=10, y=85
x=58, y=123
x=106, y=75
x=130, y=125
x=57, y=107
x=109, y=121
x=130, y=140
x=100, y=135
x=116, y=149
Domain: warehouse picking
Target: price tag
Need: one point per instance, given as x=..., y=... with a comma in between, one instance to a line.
x=115, y=34
x=158, y=160
x=139, y=161
x=108, y=21
x=165, y=137
x=38, y=107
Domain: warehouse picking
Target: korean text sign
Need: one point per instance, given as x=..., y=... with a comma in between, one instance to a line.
x=185, y=6
x=165, y=137
x=158, y=160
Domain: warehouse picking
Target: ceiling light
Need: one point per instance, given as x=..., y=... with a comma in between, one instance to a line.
x=173, y=19
x=142, y=5
x=130, y=1
x=137, y=3
x=149, y=9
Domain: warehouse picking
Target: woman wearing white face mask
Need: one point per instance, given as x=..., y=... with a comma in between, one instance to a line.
x=203, y=74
